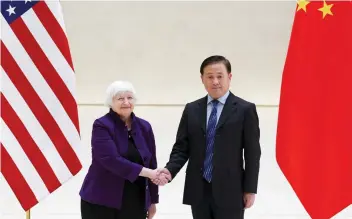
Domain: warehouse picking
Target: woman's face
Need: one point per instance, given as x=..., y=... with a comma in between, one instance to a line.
x=123, y=104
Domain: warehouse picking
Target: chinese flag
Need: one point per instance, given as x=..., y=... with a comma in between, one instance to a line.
x=314, y=136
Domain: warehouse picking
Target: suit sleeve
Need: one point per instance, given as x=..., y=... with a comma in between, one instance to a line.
x=180, y=151
x=104, y=151
x=252, y=151
x=154, y=189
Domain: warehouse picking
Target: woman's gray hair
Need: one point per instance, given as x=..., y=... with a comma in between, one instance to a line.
x=118, y=87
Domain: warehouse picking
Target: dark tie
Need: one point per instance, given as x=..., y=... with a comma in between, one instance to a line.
x=208, y=166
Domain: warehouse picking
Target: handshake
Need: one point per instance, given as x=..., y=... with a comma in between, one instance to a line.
x=159, y=176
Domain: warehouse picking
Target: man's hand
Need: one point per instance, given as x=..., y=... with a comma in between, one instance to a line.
x=248, y=199
x=164, y=176
x=151, y=211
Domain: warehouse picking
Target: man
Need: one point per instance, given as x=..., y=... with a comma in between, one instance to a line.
x=215, y=134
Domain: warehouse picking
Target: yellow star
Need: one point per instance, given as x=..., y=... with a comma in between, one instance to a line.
x=302, y=4
x=326, y=9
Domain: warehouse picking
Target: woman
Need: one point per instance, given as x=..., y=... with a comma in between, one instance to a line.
x=118, y=183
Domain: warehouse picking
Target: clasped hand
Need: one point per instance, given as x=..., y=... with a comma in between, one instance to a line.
x=160, y=176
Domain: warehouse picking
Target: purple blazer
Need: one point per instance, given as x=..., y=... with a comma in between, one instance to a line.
x=106, y=176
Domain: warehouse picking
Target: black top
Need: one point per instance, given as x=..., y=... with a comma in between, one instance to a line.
x=134, y=156
x=133, y=201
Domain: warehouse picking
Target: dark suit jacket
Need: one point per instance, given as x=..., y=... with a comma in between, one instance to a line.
x=105, y=179
x=237, y=132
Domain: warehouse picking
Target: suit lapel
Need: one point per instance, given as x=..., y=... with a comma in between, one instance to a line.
x=202, y=110
x=229, y=109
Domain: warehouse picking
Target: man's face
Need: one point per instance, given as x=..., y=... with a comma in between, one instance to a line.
x=216, y=79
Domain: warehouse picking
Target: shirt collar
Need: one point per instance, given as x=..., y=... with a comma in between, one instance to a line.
x=221, y=99
x=117, y=118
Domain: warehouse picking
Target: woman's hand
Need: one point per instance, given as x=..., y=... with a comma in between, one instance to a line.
x=151, y=211
x=153, y=174
x=149, y=173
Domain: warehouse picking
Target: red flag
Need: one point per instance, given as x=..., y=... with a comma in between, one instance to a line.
x=314, y=144
x=40, y=135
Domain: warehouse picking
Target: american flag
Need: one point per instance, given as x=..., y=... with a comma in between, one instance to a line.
x=40, y=134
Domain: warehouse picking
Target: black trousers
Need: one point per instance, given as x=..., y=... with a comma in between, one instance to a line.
x=132, y=206
x=207, y=209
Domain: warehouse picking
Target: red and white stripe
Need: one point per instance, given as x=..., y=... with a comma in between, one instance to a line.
x=40, y=140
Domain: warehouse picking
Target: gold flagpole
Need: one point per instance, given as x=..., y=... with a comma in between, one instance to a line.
x=28, y=214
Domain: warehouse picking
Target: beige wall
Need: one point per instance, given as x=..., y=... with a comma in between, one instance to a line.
x=159, y=46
